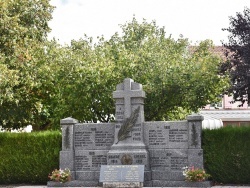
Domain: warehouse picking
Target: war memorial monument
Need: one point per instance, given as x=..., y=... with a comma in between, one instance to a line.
x=131, y=152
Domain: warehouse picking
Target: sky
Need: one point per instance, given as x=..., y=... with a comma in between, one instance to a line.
x=196, y=20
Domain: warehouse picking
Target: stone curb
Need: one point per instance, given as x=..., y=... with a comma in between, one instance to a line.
x=41, y=186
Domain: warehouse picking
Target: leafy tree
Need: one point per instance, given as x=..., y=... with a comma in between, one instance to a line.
x=47, y=82
x=23, y=30
x=176, y=80
x=23, y=22
x=238, y=56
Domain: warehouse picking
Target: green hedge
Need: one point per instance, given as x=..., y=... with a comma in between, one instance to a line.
x=227, y=154
x=28, y=157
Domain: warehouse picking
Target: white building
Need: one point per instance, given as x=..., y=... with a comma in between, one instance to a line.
x=226, y=114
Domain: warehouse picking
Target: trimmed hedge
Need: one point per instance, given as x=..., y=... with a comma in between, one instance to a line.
x=28, y=157
x=227, y=154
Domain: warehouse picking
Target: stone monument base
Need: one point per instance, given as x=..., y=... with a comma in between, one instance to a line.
x=154, y=183
x=122, y=185
x=161, y=183
x=74, y=183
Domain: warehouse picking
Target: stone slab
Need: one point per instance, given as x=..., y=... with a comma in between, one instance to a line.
x=93, y=136
x=74, y=183
x=87, y=175
x=167, y=175
x=154, y=183
x=166, y=135
x=123, y=185
x=90, y=160
x=122, y=173
x=195, y=158
x=168, y=159
x=160, y=183
x=67, y=160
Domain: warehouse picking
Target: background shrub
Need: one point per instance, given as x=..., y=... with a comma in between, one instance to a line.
x=227, y=154
x=28, y=157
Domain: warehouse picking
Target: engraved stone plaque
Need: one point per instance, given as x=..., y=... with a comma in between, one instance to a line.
x=166, y=134
x=86, y=160
x=93, y=136
x=122, y=173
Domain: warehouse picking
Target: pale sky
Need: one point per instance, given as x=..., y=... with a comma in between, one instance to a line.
x=196, y=20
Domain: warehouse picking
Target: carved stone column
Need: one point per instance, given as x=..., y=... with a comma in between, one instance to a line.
x=67, y=153
x=195, y=153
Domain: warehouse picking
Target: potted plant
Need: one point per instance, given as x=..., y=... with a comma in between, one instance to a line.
x=60, y=175
x=193, y=174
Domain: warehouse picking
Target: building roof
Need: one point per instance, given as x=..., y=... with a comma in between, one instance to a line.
x=227, y=115
x=218, y=50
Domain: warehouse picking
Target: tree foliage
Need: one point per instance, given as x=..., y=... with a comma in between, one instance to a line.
x=23, y=30
x=23, y=22
x=238, y=56
x=45, y=82
x=177, y=80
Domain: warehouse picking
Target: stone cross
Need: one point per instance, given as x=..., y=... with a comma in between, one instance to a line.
x=127, y=90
